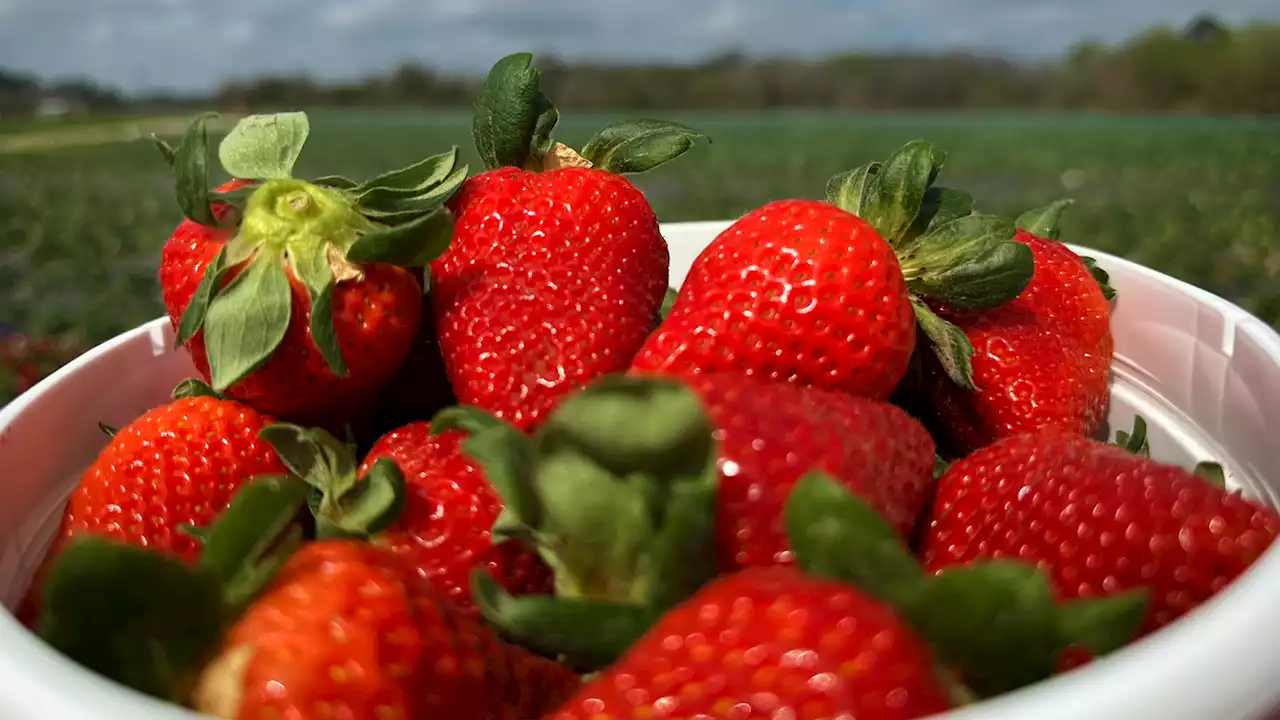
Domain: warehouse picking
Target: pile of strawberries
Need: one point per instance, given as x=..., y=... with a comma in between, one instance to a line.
x=456, y=452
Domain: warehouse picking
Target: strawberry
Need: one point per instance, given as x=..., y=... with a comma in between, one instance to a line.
x=441, y=527
x=557, y=268
x=857, y=630
x=345, y=630
x=177, y=465
x=609, y=486
x=829, y=294
x=769, y=643
x=1098, y=519
x=769, y=434
x=1041, y=360
x=300, y=298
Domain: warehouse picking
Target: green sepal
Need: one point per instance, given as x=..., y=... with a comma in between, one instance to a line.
x=1102, y=277
x=167, y=151
x=321, y=460
x=543, y=128
x=324, y=334
x=247, y=320
x=191, y=172
x=254, y=536
x=264, y=147
x=512, y=118
x=668, y=301
x=317, y=276
x=969, y=262
x=893, y=195
x=391, y=208
x=940, y=206
x=1135, y=440
x=825, y=523
x=108, y=430
x=617, y=490
x=636, y=146
x=948, y=344
x=413, y=244
x=193, y=316
x=1212, y=472
x=1101, y=625
x=848, y=190
x=194, y=387
x=995, y=622
x=1044, y=222
x=132, y=615
x=407, y=181
x=346, y=506
x=586, y=635
x=149, y=621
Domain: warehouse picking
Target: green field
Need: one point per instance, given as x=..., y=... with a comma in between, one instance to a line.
x=81, y=227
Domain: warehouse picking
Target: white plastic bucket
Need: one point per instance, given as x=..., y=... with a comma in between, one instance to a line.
x=1204, y=373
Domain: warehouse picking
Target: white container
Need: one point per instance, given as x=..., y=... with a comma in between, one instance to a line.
x=1204, y=373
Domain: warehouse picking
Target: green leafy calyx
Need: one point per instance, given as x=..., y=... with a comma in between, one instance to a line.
x=320, y=233
x=344, y=505
x=616, y=490
x=948, y=253
x=996, y=622
x=1044, y=222
x=635, y=146
x=149, y=621
x=513, y=124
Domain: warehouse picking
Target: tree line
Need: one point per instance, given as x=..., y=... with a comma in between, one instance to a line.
x=1205, y=67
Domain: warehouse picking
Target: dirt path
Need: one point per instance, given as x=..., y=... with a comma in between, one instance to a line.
x=56, y=138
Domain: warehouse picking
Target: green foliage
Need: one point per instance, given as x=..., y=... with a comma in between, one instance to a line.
x=81, y=228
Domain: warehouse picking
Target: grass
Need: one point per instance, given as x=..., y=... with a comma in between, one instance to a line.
x=81, y=226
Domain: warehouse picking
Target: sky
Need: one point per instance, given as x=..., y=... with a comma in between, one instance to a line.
x=192, y=45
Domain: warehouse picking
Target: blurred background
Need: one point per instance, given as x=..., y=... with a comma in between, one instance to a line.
x=1162, y=120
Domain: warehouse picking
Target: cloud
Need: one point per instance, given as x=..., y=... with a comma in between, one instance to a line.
x=140, y=44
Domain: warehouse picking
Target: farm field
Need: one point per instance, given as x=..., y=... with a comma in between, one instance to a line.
x=81, y=226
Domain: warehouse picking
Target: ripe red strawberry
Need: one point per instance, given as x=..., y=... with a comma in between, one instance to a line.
x=1041, y=360
x=178, y=464
x=345, y=630
x=450, y=507
x=771, y=643
x=304, y=300
x=828, y=294
x=769, y=434
x=1098, y=519
x=557, y=268
x=798, y=290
